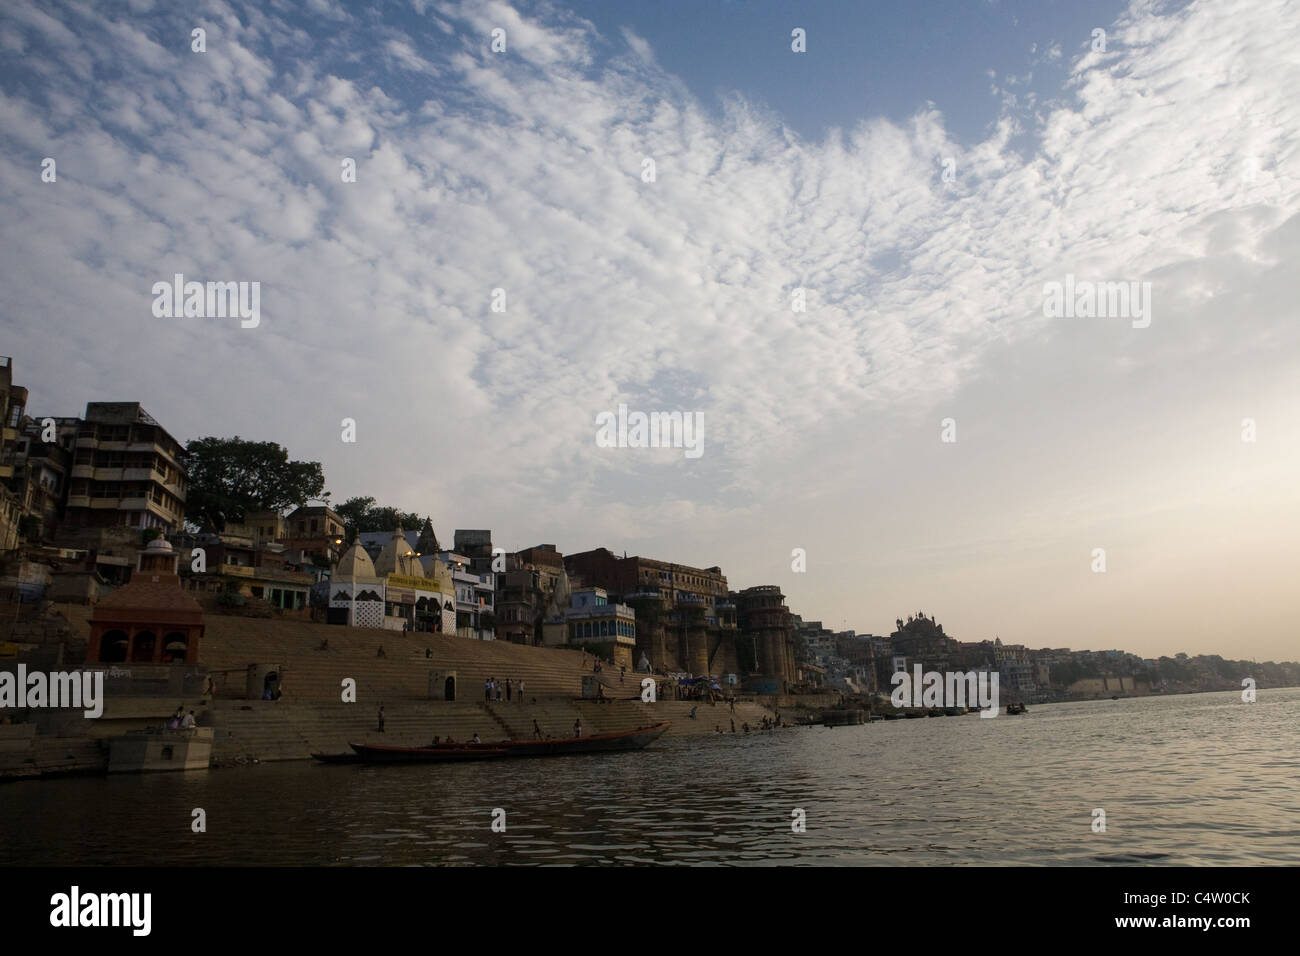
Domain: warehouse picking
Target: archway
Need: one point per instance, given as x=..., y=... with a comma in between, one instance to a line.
x=112, y=647
x=449, y=689
x=142, y=647
x=175, y=646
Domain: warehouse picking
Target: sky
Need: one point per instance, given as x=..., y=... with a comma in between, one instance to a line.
x=926, y=429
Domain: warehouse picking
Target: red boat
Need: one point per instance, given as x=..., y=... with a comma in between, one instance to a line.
x=550, y=747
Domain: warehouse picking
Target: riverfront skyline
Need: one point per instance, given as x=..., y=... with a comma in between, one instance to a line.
x=1168, y=158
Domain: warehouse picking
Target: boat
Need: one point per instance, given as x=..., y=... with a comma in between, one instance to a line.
x=1017, y=709
x=549, y=747
x=349, y=757
x=843, y=718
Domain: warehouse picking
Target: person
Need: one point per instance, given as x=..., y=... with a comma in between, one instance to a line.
x=510, y=686
x=188, y=722
x=476, y=740
x=733, y=725
x=380, y=652
x=487, y=690
x=577, y=727
x=449, y=740
x=177, y=717
x=692, y=713
x=621, y=671
x=537, y=730
x=519, y=690
x=428, y=652
x=745, y=726
x=498, y=687
x=436, y=741
x=211, y=689
x=381, y=718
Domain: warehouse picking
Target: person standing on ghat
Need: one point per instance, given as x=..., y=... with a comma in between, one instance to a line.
x=509, y=688
x=519, y=689
x=487, y=690
x=381, y=718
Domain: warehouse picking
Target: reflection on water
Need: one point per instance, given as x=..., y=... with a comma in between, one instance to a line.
x=1199, y=779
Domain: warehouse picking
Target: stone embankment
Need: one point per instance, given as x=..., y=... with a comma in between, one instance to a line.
x=405, y=672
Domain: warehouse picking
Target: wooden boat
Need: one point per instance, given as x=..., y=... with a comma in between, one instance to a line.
x=1017, y=709
x=348, y=757
x=550, y=747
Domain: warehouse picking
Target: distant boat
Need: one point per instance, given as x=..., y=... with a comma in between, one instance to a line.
x=1014, y=709
x=551, y=747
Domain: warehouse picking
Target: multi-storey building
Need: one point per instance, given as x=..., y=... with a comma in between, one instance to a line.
x=591, y=618
x=127, y=471
x=13, y=404
x=768, y=632
x=686, y=619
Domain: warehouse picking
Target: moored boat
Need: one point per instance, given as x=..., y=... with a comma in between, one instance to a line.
x=548, y=747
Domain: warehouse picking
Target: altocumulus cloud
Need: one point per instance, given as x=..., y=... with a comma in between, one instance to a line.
x=522, y=171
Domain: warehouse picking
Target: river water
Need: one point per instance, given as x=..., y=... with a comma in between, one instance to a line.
x=1195, y=779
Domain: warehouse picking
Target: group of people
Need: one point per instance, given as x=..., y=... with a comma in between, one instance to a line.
x=492, y=688
x=181, y=720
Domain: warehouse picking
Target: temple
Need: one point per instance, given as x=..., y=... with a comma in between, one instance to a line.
x=150, y=619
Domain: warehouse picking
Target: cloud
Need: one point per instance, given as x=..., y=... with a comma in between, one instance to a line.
x=1169, y=159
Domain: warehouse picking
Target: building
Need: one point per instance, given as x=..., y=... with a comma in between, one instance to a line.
x=41, y=470
x=316, y=529
x=236, y=560
x=591, y=619
x=768, y=634
x=151, y=619
x=475, y=597
x=475, y=545
x=13, y=405
x=415, y=599
x=127, y=471
x=685, y=616
x=356, y=591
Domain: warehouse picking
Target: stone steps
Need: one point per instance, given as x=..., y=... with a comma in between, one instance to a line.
x=285, y=730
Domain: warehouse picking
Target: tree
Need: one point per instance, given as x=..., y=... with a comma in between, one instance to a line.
x=230, y=477
x=360, y=514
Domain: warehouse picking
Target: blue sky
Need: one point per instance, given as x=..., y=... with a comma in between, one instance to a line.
x=864, y=59
x=1169, y=159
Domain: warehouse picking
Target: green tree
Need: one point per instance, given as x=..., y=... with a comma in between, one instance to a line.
x=230, y=477
x=360, y=514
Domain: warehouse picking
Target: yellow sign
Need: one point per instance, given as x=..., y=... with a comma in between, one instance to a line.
x=427, y=585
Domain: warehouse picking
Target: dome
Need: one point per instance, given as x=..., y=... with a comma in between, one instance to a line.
x=159, y=545
x=398, y=558
x=355, y=563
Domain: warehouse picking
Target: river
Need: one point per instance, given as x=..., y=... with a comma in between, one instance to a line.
x=1193, y=779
